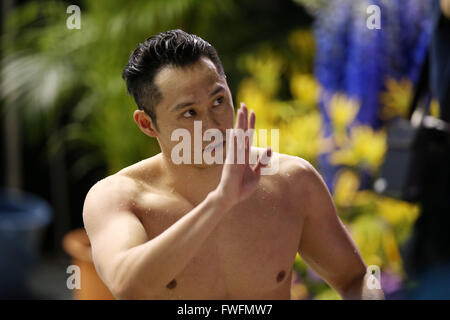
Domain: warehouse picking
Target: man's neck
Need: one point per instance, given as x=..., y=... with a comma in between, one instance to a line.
x=191, y=178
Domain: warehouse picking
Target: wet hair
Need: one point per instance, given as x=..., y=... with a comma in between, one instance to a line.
x=172, y=48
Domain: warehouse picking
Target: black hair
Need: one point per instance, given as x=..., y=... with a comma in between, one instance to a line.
x=174, y=47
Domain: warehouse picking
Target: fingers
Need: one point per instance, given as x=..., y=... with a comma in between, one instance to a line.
x=252, y=120
x=245, y=111
x=248, y=124
x=251, y=127
x=236, y=147
x=263, y=160
x=231, y=146
x=244, y=123
x=240, y=123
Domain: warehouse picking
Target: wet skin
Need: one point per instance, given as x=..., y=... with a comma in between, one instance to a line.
x=262, y=221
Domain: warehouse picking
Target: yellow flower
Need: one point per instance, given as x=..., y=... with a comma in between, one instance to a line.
x=396, y=99
x=302, y=136
x=346, y=187
x=373, y=260
x=265, y=67
x=328, y=294
x=376, y=242
x=305, y=88
x=391, y=251
x=397, y=212
x=302, y=41
x=366, y=147
x=370, y=146
x=342, y=111
x=435, y=108
x=256, y=99
x=365, y=198
x=345, y=157
x=401, y=215
x=367, y=232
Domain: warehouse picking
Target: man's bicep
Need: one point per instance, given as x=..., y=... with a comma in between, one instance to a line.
x=326, y=245
x=112, y=229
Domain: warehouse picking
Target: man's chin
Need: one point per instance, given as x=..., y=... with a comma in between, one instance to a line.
x=205, y=165
x=213, y=162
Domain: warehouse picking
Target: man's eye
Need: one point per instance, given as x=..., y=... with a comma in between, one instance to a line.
x=189, y=113
x=218, y=101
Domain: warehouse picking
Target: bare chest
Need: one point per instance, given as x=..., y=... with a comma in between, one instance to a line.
x=249, y=255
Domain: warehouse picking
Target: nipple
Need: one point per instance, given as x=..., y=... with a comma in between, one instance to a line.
x=281, y=275
x=172, y=284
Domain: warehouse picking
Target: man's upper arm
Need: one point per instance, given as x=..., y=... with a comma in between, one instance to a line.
x=111, y=225
x=325, y=244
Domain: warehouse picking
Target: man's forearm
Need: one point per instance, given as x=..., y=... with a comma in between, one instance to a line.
x=146, y=269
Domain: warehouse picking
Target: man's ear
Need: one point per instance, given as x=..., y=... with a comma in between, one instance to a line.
x=145, y=123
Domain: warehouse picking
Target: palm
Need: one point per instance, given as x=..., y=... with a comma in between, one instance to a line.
x=249, y=182
x=239, y=181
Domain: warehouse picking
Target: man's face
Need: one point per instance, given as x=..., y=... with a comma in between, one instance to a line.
x=193, y=93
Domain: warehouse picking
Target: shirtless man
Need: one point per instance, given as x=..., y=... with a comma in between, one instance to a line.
x=222, y=231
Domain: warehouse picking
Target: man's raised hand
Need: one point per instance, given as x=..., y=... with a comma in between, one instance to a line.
x=239, y=178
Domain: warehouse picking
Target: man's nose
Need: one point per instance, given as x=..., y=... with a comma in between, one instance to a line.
x=210, y=121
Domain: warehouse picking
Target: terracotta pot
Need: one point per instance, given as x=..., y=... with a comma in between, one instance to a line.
x=76, y=244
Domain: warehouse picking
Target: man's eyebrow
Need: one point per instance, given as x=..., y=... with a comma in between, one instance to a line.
x=182, y=105
x=217, y=90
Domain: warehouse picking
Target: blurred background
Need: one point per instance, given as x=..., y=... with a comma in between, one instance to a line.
x=309, y=68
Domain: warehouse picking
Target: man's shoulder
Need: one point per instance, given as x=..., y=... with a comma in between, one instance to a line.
x=285, y=171
x=142, y=171
x=112, y=192
x=293, y=164
x=117, y=183
x=124, y=186
x=290, y=167
x=303, y=178
x=298, y=176
x=292, y=181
